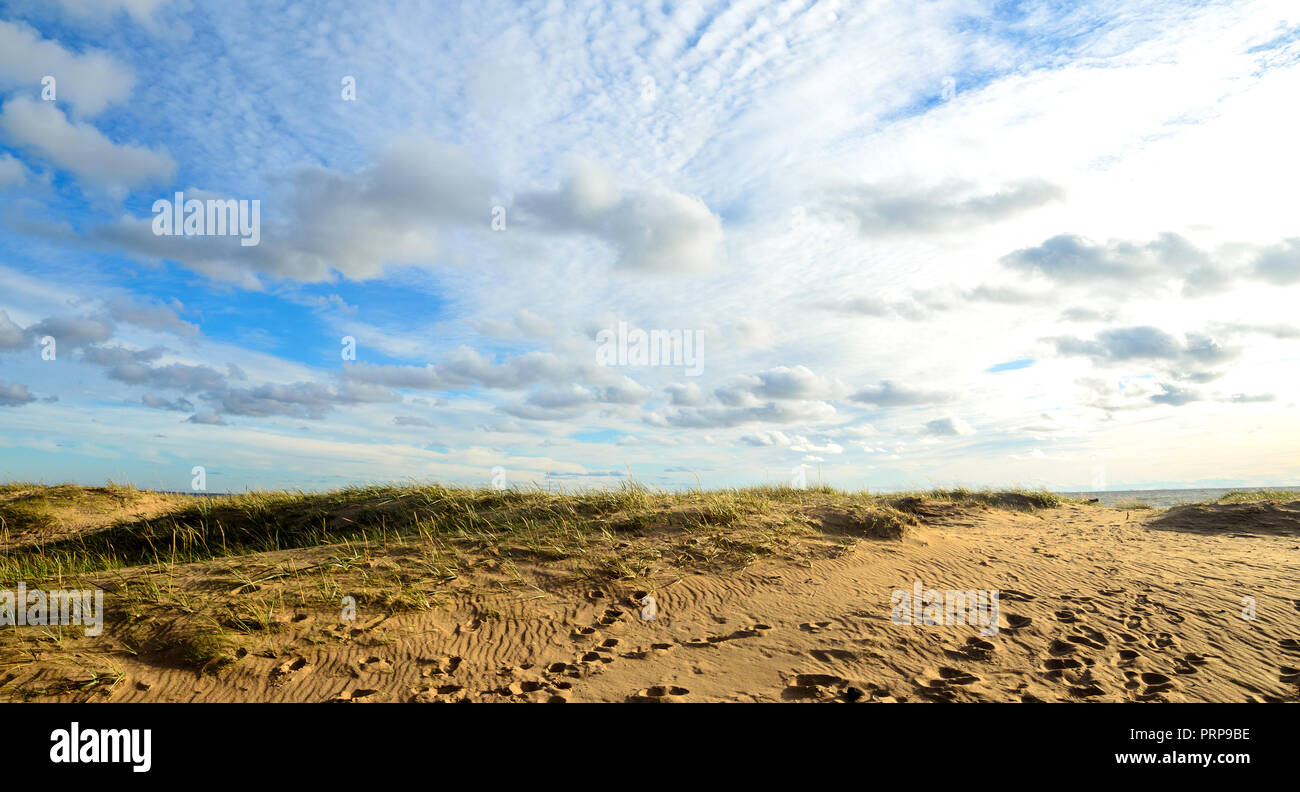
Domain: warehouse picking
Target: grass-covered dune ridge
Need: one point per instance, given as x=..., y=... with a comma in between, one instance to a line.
x=539, y=523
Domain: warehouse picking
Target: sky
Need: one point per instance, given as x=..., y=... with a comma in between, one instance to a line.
x=885, y=245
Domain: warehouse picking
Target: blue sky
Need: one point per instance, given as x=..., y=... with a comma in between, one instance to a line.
x=981, y=243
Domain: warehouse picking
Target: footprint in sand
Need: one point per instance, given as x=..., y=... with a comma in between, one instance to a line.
x=812, y=686
x=1289, y=645
x=438, y=666
x=1059, y=648
x=1011, y=621
x=1126, y=657
x=815, y=627
x=1089, y=638
x=975, y=649
x=1156, y=682
x=1066, y=616
x=1060, y=664
x=1087, y=691
x=288, y=670
x=659, y=694
x=1289, y=675
x=349, y=696
x=1015, y=596
x=1162, y=640
x=952, y=676
x=376, y=665
x=830, y=655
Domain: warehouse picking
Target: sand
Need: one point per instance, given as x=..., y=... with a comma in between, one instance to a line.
x=1096, y=605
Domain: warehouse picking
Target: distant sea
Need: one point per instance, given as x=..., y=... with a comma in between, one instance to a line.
x=1164, y=498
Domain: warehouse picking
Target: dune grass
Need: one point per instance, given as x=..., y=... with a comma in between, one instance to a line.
x=1251, y=496
x=531, y=522
x=206, y=581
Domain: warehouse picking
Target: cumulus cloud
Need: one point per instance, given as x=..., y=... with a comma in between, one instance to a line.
x=71, y=332
x=14, y=394
x=158, y=403
x=719, y=417
x=466, y=368
x=948, y=426
x=681, y=394
x=1174, y=395
x=354, y=224
x=1280, y=263
x=879, y=209
x=81, y=149
x=1194, y=352
x=781, y=382
x=1069, y=259
x=89, y=81
x=155, y=316
x=206, y=419
x=12, y=172
x=413, y=420
x=653, y=229
x=11, y=335
x=887, y=394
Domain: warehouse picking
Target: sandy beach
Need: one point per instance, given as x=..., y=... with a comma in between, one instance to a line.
x=1093, y=604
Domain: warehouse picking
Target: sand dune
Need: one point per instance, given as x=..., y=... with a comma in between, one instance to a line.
x=1094, y=604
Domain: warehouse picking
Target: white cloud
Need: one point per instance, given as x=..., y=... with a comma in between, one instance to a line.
x=81, y=149
x=89, y=81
